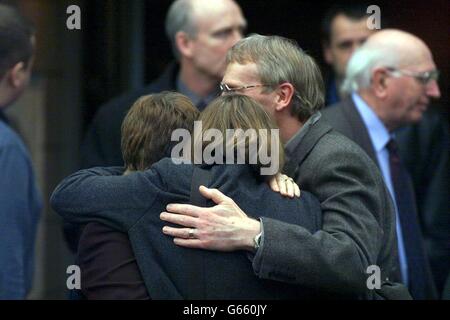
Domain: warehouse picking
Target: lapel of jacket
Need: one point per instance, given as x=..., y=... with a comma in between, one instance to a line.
x=359, y=131
x=315, y=132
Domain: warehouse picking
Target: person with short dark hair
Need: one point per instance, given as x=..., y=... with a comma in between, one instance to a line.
x=20, y=201
x=344, y=29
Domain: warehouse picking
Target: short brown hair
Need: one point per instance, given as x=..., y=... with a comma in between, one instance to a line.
x=148, y=125
x=236, y=111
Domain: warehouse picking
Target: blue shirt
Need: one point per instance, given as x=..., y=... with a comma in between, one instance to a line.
x=380, y=137
x=20, y=206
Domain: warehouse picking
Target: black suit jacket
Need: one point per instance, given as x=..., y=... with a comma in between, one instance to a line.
x=132, y=204
x=345, y=118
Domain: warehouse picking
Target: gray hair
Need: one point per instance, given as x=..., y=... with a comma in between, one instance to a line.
x=361, y=65
x=180, y=18
x=281, y=60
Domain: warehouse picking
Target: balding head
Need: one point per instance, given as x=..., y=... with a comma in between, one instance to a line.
x=185, y=15
x=395, y=74
x=386, y=48
x=407, y=47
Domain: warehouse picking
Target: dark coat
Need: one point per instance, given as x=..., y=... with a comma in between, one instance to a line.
x=345, y=118
x=358, y=227
x=132, y=204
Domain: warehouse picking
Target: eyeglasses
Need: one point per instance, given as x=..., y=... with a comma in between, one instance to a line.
x=224, y=88
x=423, y=77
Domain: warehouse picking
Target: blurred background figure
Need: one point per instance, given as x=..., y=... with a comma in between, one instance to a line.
x=200, y=33
x=20, y=200
x=423, y=145
x=344, y=29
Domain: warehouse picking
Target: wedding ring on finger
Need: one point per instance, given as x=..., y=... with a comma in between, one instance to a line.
x=191, y=234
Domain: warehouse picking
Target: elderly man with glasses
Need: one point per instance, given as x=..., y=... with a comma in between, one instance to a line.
x=391, y=80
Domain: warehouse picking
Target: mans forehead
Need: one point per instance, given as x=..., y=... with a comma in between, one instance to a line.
x=421, y=65
x=238, y=74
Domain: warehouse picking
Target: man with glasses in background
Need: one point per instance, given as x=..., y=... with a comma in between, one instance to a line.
x=391, y=79
x=423, y=145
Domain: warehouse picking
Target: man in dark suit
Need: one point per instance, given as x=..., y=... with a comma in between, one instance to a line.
x=423, y=145
x=358, y=217
x=200, y=32
x=392, y=78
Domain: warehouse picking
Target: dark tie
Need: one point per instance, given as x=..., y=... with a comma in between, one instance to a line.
x=412, y=237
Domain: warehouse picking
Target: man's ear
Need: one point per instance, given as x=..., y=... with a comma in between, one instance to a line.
x=184, y=44
x=285, y=94
x=17, y=75
x=379, y=82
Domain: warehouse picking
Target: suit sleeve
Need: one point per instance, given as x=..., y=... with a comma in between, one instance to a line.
x=335, y=258
x=101, y=195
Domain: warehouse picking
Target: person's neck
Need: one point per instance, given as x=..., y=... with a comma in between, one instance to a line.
x=196, y=81
x=289, y=126
x=377, y=106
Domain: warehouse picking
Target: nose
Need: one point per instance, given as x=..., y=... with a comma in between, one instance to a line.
x=432, y=89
